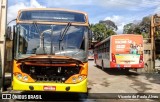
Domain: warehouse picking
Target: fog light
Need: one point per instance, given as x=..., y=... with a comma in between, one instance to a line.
x=74, y=79
x=19, y=76
x=25, y=78
x=80, y=78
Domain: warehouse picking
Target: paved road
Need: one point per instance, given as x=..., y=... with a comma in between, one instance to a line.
x=112, y=81
x=116, y=81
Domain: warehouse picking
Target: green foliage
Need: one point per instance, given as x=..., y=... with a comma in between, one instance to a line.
x=101, y=31
x=143, y=27
x=109, y=24
x=128, y=28
x=145, y=35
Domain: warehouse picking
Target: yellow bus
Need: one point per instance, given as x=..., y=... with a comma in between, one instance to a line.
x=51, y=50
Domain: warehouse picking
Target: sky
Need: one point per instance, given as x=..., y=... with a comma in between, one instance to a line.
x=119, y=11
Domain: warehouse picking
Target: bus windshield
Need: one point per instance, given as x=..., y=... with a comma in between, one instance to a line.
x=31, y=37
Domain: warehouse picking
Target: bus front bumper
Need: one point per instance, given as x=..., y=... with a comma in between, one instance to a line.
x=58, y=87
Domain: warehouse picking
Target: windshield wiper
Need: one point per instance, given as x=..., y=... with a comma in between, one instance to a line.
x=51, y=40
x=62, y=34
x=41, y=36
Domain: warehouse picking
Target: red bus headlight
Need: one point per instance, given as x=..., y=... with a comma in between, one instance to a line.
x=113, y=58
x=141, y=58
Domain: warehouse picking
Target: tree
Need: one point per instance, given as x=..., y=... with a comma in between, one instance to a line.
x=100, y=31
x=142, y=27
x=109, y=24
x=145, y=26
x=128, y=28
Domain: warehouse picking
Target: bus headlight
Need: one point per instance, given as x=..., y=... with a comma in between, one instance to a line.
x=19, y=76
x=25, y=78
x=80, y=78
x=74, y=79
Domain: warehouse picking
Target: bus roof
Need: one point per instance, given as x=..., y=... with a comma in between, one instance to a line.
x=57, y=9
x=101, y=42
x=62, y=16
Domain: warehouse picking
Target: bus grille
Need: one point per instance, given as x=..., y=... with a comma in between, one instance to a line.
x=50, y=73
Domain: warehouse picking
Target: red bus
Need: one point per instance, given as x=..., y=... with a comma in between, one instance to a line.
x=122, y=51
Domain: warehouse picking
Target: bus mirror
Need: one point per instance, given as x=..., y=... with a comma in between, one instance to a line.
x=9, y=33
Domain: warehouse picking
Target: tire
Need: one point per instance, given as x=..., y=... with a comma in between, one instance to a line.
x=126, y=70
x=84, y=95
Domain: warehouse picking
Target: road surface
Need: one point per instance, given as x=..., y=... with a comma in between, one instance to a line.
x=111, y=81
x=117, y=81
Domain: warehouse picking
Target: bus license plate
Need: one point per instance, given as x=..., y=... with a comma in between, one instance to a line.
x=49, y=88
x=127, y=65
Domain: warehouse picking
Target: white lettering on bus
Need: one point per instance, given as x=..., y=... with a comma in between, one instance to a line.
x=123, y=41
x=120, y=46
x=129, y=41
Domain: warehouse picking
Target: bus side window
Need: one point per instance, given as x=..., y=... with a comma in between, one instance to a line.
x=100, y=48
x=108, y=45
x=104, y=47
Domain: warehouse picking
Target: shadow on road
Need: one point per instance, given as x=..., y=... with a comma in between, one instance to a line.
x=120, y=72
x=115, y=71
x=153, y=77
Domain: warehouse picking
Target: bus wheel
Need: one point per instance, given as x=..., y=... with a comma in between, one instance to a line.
x=102, y=66
x=126, y=70
x=84, y=95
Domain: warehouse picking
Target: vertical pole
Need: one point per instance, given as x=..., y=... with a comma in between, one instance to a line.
x=3, y=20
x=154, y=48
x=152, y=45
